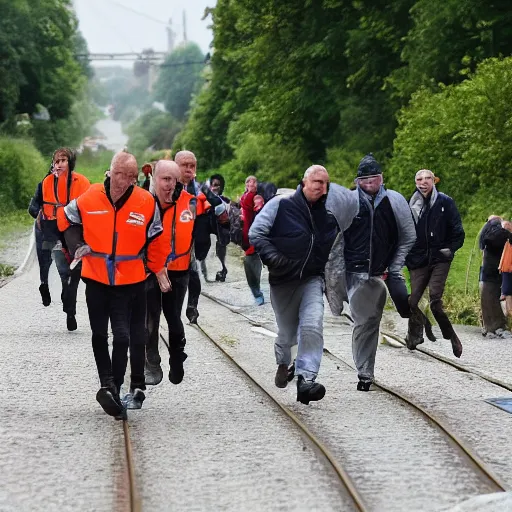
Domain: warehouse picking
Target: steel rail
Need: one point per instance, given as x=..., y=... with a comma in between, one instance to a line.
x=340, y=472
x=471, y=454
x=135, y=502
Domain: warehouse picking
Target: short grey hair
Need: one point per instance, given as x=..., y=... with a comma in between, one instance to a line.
x=313, y=169
x=124, y=159
x=165, y=163
x=183, y=154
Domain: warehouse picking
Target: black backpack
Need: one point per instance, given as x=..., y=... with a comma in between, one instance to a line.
x=267, y=190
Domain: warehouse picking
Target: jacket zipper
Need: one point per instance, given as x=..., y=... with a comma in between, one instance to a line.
x=310, y=243
x=372, y=212
x=114, y=245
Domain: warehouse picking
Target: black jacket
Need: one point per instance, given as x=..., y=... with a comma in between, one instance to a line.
x=294, y=238
x=492, y=241
x=439, y=228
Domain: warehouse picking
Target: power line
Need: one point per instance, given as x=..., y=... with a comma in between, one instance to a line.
x=144, y=15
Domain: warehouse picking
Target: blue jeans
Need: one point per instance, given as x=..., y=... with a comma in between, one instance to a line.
x=299, y=310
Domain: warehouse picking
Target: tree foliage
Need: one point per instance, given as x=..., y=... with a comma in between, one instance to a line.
x=179, y=79
x=324, y=81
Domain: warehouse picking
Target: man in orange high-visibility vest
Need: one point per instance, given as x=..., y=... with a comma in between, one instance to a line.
x=56, y=190
x=178, y=212
x=120, y=223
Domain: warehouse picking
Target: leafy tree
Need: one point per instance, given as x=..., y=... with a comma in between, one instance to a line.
x=179, y=78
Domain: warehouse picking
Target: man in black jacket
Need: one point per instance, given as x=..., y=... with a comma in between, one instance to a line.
x=293, y=236
x=492, y=241
x=439, y=234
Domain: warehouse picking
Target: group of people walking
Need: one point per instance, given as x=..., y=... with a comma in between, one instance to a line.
x=139, y=251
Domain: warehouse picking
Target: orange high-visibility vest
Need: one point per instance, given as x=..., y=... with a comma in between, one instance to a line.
x=178, y=223
x=116, y=237
x=59, y=192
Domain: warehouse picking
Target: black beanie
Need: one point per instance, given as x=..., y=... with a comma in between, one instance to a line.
x=368, y=166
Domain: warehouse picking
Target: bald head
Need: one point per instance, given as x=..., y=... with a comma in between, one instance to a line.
x=167, y=166
x=123, y=174
x=165, y=177
x=187, y=163
x=315, y=183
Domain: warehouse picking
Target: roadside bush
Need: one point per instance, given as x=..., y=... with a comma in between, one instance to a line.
x=463, y=133
x=21, y=168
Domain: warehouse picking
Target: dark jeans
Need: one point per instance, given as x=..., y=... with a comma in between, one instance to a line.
x=194, y=285
x=221, y=250
x=125, y=307
x=252, y=267
x=69, y=279
x=171, y=303
x=434, y=277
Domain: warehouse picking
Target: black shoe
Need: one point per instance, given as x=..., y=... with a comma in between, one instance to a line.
x=153, y=374
x=291, y=372
x=428, y=330
x=192, y=314
x=134, y=399
x=176, y=371
x=110, y=402
x=221, y=275
x=364, y=385
x=45, y=294
x=281, y=378
x=71, y=323
x=309, y=390
x=412, y=342
x=456, y=345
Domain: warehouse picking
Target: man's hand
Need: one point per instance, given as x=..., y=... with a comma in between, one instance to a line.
x=163, y=280
x=81, y=251
x=446, y=252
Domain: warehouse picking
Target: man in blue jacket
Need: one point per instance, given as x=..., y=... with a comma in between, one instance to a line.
x=293, y=236
x=439, y=235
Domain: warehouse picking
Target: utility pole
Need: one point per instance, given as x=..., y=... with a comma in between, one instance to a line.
x=171, y=37
x=184, y=26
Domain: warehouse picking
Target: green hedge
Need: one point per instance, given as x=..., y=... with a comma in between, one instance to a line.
x=21, y=168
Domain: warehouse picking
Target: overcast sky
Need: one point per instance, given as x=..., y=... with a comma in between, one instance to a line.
x=114, y=26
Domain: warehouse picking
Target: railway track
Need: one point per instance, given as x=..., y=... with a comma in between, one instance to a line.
x=134, y=502
x=471, y=456
x=342, y=475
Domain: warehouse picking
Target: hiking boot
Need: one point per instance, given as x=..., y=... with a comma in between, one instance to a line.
x=503, y=333
x=260, y=300
x=176, y=371
x=134, y=399
x=309, y=390
x=192, y=314
x=364, y=385
x=153, y=374
x=220, y=276
x=110, y=402
x=456, y=345
x=281, y=378
x=45, y=294
x=71, y=323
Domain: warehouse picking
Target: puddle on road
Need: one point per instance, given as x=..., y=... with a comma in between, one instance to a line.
x=504, y=404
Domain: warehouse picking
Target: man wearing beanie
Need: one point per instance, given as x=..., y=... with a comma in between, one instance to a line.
x=378, y=240
x=439, y=235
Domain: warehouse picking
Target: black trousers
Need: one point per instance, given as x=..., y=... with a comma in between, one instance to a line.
x=171, y=304
x=125, y=307
x=194, y=285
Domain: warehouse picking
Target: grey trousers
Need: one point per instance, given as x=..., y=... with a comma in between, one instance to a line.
x=299, y=310
x=367, y=298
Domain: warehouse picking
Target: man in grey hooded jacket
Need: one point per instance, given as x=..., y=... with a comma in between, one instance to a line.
x=375, y=244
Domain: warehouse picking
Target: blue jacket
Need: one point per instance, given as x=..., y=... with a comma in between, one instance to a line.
x=293, y=238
